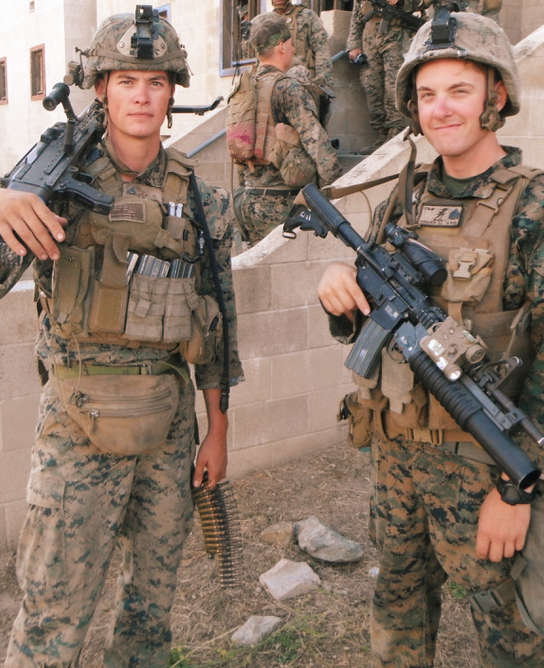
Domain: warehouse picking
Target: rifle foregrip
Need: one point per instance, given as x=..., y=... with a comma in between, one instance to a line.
x=471, y=417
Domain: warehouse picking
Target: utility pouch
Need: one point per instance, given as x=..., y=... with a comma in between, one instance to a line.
x=146, y=307
x=359, y=419
x=206, y=328
x=177, y=325
x=72, y=275
x=295, y=165
x=120, y=414
x=469, y=274
x=110, y=291
x=528, y=571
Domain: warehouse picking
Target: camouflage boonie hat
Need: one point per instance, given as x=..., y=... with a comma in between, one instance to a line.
x=267, y=31
x=144, y=41
x=478, y=39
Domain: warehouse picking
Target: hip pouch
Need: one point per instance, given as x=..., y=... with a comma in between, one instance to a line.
x=295, y=165
x=359, y=419
x=206, y=328
x=122, y=415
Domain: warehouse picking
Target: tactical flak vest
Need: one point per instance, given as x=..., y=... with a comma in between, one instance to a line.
x=129, y=277
x=473, y=237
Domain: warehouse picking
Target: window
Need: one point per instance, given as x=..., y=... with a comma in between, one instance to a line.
x=3, y=81
x=236, y=16
x=235, y=51
x=37, y=72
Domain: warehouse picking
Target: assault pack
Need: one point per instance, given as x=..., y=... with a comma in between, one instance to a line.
x=253, y=136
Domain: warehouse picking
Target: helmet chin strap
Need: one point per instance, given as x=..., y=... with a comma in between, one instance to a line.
x=491, y=118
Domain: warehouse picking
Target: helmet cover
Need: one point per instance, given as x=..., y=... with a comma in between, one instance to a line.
x=144, y=41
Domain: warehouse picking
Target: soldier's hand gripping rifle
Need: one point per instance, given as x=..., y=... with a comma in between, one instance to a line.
x=447, y=359
x=51, y=170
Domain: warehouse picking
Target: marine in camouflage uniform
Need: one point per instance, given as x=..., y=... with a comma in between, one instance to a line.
x=264, y=200
x=435, y=506
x=310, y=40
x=83, y=502
x=384, y=47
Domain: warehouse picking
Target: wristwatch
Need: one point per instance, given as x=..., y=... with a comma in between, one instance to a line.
x=512, y=494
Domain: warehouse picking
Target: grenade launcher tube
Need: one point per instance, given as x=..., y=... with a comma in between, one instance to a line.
x=471, y=417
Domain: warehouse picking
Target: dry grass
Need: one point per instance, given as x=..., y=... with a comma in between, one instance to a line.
x=324, y=629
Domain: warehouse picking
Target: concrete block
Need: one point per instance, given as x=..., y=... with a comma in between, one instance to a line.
x=325, y=367
x=253, y=289
x=17, y=463
x=319, y=328
x=323, y=407
x=257, y=385
x=272, y=333
x=262, y=456
x=291, y=374
x=270, y=421
x=296, y=284
x=18, y=317
x=18, y=422
x=18, y=371
x=328, y=249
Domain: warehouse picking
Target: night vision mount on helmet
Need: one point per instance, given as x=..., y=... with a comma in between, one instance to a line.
x=123, y=42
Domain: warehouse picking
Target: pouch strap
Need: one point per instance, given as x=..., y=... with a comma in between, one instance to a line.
x=487, y=601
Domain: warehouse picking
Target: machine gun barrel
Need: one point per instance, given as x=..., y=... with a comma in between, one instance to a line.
x=404, y=312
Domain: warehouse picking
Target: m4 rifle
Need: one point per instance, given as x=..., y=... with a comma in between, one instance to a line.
x=460, y=376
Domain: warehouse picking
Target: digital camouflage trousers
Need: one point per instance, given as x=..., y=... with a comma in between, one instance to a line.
x=424, y=515
x=385, y=53
x=82, y=504
x=258, y=215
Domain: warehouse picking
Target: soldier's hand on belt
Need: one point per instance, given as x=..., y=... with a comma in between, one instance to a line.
x=339, y=292
x=502, y=528
x=26, y=223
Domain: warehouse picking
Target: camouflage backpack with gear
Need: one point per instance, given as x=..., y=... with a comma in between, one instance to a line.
x=144, y=41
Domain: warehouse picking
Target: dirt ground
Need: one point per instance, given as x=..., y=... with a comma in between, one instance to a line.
x=326, y=628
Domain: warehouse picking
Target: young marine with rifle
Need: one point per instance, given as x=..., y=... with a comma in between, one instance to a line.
x=442, y=315
x=132, y=269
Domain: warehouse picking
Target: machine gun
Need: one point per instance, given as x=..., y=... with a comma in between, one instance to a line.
x=387, y=12
x=447, y=359
x=51, y=168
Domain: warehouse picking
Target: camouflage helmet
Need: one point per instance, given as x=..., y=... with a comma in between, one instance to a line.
x=464, y=36
x=144, y=41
